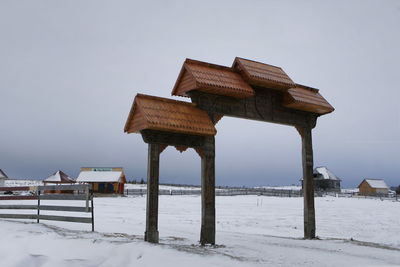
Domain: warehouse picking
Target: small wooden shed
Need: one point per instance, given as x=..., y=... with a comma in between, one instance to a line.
x=3, y=178
x=373, y=187
x=109, y=180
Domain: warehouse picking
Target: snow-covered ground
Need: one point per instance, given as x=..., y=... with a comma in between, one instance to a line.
x=251, y=231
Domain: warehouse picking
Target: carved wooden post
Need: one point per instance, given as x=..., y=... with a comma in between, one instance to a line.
x=207, y=235
x=153, y=165
x=308, y=183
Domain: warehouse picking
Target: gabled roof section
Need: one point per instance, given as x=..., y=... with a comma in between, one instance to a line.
x=162, y=114
x=306, y=98
x=261, y=74
x=101, y=177
x=59, y=177
x=325, y=174
x=3, y=175
x=210, y=78
x=376, y=183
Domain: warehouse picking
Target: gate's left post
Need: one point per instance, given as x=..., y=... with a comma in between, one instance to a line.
x=153, y=166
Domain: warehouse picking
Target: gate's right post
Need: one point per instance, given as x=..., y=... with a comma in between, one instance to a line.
x=207, y=235
x=151, y=234
x=308, y=182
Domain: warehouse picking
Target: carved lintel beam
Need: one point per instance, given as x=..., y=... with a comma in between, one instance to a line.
x=172, y=139
x=265, y=105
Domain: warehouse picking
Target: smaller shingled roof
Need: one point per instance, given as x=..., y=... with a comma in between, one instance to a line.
x=257, y=73
x=210, y=78
x=162, y=114
x=306, y=98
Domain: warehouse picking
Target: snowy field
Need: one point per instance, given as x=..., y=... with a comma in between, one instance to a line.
x=251, y=231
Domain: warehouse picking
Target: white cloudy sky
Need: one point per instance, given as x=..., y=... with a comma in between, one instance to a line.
x=69, y=71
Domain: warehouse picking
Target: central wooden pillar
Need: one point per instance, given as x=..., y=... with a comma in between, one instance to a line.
x=207, y=235
x=308, y=183
x=151, y=234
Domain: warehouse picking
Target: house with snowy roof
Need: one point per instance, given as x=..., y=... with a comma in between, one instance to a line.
x=103, y=179
x=373, y=187
x=58, y=178
x=3, y=178
x=325, y=180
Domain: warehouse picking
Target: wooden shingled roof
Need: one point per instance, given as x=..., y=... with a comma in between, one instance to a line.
x=306, y=98
x=210, y=78
x=257, y=73
x=238, y=80
x=162, y=114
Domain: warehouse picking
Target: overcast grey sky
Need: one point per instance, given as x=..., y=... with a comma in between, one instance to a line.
x=69, y=71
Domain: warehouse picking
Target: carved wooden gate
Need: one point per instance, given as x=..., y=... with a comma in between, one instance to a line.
x=248, y=89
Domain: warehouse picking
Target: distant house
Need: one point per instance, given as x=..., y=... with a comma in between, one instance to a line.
x=373, y=187
x=103, y=179
x=3, y=178
x=58, y=178
x=325, y=180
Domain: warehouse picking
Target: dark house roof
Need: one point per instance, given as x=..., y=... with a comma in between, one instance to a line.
x=3, y=175
x=324, y=173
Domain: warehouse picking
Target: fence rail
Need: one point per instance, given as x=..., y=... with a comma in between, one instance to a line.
x=40, y=193
x=227, y=192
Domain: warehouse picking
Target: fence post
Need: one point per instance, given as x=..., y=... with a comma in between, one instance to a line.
x=87, y=198
x=38, y=206
x=91, y=196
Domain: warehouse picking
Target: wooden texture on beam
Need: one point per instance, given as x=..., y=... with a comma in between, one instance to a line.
x=207, y=235
x=151, y=234
x=172, y=139
x=308, y=183
x=265, y=105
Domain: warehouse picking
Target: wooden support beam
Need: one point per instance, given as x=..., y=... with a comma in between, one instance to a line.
x=265, y=105
x=151, y=234
x=171, y=139
x=308, y=183
x=207, y=235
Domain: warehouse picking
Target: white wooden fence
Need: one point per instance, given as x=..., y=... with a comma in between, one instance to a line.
x=41, y=193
